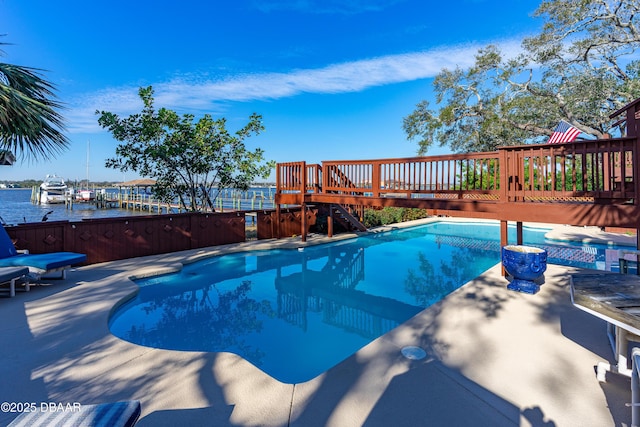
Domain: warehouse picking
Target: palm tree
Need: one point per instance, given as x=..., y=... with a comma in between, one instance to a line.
x=30, y=126
x=6, y=158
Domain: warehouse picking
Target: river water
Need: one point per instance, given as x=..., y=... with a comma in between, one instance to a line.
x=16, y=206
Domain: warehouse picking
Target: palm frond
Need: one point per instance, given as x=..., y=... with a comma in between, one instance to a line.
x=6, y=158
x=30, y=124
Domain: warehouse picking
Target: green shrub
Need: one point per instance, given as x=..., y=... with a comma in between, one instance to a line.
x=391, y=215
x=410, y=214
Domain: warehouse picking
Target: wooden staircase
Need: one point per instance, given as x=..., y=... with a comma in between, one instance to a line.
x=344, y=216
x=347, y=215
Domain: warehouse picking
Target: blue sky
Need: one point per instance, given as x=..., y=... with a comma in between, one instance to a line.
x=332, y=79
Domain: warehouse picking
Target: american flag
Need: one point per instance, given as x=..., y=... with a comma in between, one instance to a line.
x=564, y=133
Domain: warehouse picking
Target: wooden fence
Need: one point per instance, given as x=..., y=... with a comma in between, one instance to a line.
x=109, y=239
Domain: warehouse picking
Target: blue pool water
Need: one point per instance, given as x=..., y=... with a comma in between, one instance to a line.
x=296, y=313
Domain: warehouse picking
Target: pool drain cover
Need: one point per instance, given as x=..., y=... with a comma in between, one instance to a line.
x=413, y=353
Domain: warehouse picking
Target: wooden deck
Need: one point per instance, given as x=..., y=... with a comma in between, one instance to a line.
x=594, y=182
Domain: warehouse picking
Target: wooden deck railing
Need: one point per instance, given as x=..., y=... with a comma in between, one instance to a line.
x=457, y=175
x=602, y=171
x=298, y=177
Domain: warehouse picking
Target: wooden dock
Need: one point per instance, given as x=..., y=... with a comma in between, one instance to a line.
x=227, y=200
x=231, y=200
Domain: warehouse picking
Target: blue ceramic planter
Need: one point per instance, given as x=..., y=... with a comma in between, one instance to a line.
x=526, y=264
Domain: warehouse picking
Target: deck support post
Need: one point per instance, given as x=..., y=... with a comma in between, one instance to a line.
x=504, y=239
x=330, y=222
x=504, y=233
x=277, y=230
x=302, y=177
x=303, y=222
x=519, y=233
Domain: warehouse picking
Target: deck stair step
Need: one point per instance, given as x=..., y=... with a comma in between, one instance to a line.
x=346, y=218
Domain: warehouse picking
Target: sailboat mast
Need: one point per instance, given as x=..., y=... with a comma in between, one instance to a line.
x=88, y=145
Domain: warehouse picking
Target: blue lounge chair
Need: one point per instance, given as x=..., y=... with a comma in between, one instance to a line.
x=11, y=274
x=118, y=414
x=38, y=264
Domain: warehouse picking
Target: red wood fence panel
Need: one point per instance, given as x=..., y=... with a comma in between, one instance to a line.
x=290, y=222
x=108, y=239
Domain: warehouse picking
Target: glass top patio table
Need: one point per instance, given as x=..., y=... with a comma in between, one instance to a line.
x=614, y=298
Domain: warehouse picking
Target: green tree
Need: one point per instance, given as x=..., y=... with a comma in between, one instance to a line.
x=187, y=158
x=580, y=68
x=30, y=125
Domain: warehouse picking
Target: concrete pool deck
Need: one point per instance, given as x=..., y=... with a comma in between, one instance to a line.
x=494, y=358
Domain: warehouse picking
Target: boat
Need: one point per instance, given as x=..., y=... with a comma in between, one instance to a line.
x=85, y=195
x=53, y=190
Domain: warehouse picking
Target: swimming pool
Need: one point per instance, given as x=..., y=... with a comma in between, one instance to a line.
x=296, y=313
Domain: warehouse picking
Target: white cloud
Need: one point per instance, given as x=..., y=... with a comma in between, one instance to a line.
x=210, y=95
